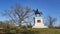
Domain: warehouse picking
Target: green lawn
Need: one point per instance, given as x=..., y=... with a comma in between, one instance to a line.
x=35, y=31
x=47, y=31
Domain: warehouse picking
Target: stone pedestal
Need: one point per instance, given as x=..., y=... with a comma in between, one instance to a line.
x=38, y=23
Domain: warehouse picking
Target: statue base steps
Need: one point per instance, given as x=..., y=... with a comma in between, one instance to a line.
x=39, y=26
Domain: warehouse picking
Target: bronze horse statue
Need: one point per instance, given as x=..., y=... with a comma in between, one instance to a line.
x=37, y=12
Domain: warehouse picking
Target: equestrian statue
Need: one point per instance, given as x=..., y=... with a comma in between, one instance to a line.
x=36, y=12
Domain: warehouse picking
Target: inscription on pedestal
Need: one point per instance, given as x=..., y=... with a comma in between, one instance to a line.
x=38, y=21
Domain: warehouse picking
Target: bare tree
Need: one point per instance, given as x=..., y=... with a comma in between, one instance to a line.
x=51, y=20
x=18, y=14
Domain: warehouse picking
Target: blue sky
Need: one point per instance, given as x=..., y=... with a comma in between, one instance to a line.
x=48, y=7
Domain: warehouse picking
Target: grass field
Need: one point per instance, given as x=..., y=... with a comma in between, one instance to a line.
x=47, y=31
x=37, y=31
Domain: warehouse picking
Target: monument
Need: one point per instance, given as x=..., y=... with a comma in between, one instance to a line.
x=38, y=20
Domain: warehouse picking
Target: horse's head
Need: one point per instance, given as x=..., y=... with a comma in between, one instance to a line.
x=35, y=10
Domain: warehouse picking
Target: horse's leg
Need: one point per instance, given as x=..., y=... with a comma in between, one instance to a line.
x=39, y=14
x=36, y=15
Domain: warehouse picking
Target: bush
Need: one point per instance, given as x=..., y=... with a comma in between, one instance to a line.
x=12, y=31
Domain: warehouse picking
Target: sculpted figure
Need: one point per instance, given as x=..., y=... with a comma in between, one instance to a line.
x=37, y=12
